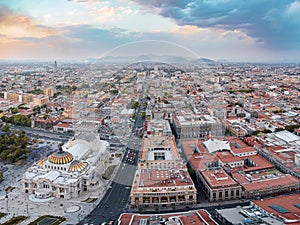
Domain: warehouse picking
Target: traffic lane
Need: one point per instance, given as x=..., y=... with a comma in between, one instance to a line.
x=121, y=185
x=111, y=207
x=115, y=199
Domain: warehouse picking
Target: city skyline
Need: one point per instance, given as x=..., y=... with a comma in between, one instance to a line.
x=256, y=31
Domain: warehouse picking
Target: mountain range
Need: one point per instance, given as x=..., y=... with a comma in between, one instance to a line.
x=155, y=58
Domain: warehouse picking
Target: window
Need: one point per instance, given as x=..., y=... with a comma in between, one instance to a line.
x=220, y=194
x=214, y=195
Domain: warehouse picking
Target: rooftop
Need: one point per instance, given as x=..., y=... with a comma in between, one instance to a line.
x=285, y=207
x=185, y=218
x=161, y=178
x=218, y=178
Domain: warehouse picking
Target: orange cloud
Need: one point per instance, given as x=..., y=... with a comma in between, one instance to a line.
x=13, y=25
x=188, y=29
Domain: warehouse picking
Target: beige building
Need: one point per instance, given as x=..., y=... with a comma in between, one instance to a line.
x=162, y=188
x=162, y=178
x=20, y=97
x=196, y=126
x=218, y=185
x=49, y=91
x=40, y=100
x=159, y=152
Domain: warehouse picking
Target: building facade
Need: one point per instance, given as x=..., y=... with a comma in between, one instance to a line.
x=162, y=188
x=193, y=126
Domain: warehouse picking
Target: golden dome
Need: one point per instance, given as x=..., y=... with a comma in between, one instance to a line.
x=76, y=166
x=60, y=157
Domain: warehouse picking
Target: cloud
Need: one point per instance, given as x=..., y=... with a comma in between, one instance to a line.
x=276, y=24
x=15, y=25
x=23, y=37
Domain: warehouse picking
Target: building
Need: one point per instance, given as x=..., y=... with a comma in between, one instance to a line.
x=40, y=100
x=285, y=208
x=162, y=178
x=49, y=91
x=158, y=127
x=245, y=215
x=217, y=184
x=64, y=127
x=45, y=123
x=183, y=218
x=152, y=187
x=20, y=97
x=196, y=126
x=69, y=171
x=159, y=152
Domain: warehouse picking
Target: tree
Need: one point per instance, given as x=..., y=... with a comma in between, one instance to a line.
x=6, y=128
x=143, y=115
x=279, y=129
x=14, y=110
x=136, y=105
x=191, y=172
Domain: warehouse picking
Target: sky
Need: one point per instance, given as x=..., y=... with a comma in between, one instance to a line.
x=232, y=30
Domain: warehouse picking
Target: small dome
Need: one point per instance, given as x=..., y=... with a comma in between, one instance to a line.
x=76, y=166
x=41, y=163
x=60, y=157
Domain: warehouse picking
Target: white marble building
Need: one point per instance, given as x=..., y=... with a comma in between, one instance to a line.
x=69, y=171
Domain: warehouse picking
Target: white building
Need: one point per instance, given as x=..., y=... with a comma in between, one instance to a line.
x=69, y=171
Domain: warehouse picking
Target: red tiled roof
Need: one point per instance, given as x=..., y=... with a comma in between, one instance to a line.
x=260, y=161
x=188, y=218
x=287, y=202
x=218, y=178
x=271, y=183
x=62, y=125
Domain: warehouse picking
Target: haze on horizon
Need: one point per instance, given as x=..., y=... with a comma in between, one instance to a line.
x=234, y=30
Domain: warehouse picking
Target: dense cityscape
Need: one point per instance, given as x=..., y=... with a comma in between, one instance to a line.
x=193, y=142
x=132, y=112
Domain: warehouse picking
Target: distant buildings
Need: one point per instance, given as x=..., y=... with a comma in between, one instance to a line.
x=20, y=97
x=27, y=98
x=40, y=100
x=50, y=91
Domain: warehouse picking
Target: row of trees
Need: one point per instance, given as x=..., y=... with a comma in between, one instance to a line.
x=290, y=128
x=18, y=119
x=13, y=146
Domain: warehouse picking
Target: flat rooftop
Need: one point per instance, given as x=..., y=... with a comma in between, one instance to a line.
x=159, y=148
x=147, y=178
x=185, y=218
x=218, y=178
x=264, y=182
